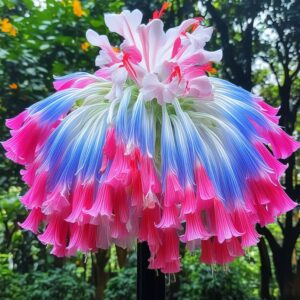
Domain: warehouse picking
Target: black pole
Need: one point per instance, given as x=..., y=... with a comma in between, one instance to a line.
x=150, y=283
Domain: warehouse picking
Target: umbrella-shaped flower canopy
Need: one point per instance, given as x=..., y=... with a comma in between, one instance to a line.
x=151, y=148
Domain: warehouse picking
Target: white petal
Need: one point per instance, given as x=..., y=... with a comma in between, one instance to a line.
x=156, y=40
x=152, y=38
x=215, y=55
x=119, y=76
x=125, y=24
x=174, y=33
x=200, y=87
x=150, y=87
x=103, y=59
x=204, y=31
x=97, y=40
x=200, y=36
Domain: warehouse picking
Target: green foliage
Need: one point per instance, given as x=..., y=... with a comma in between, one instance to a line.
x=47, y=43
x=59, y=283
x=11, y=283
x=122, y=286
x=237, y=282
x=12, y=240
x=25, y=271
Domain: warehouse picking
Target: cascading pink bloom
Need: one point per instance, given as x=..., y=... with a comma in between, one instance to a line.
x=151, y=148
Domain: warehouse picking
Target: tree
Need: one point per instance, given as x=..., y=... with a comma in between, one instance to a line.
x=284, y=61
x=241, y=26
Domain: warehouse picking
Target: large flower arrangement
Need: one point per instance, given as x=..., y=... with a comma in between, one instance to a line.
x=151, y=148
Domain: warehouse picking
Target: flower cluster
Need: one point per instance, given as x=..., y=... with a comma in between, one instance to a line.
x=13, y=86
x=151, y=148
x=77, y=9
x=7, y=27
x=164, y=65
x=85, y=46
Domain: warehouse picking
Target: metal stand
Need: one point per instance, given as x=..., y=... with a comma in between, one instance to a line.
x=150, y=283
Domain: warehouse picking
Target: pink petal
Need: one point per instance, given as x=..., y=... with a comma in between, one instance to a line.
x=37, y=193
x=33, y=220
x=244, y=223
x=204, y=185
x=148, y=231
x=194, y=228
x=56, y=232
x=173, y=190
x=189, y=203
x=82, y=199
x=169, y=218
x=17, y=122
x=224, y=227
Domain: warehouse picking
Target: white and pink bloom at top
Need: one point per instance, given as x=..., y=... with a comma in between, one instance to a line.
x=151, y=148
x=163, y=65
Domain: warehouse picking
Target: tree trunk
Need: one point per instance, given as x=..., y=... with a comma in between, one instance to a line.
x=285, y=276
x=265, y=270
x=121, y=256
x=99, y=277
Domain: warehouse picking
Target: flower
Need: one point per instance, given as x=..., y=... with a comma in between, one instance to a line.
x=151, y=148
x=158, y=14
x=163, y=64
x=7, y=27
x=13, y=86
x=77, y=9
x=85, y=46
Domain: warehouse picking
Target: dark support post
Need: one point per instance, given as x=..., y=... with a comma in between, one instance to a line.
x=150, y=283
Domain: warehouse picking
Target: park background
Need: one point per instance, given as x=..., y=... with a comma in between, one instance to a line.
x=261, y=46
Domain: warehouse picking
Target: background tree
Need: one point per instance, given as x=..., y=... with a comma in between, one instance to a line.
x=268, y=31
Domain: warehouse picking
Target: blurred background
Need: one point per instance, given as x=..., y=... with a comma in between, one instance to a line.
x=261, y=46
